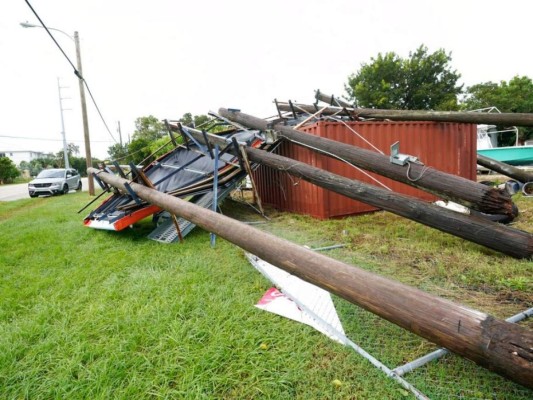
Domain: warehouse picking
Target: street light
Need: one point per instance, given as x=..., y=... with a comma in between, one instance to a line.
x=76, y=40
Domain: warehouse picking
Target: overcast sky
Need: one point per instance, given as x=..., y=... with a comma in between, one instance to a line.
x=169, y=57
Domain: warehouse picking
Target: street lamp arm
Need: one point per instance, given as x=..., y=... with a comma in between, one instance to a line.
x=28, y=25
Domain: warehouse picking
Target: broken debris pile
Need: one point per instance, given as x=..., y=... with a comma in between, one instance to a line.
x=195, y=171
x=205, y=167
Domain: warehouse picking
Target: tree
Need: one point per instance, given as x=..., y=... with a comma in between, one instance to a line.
x=72, y=149
x=8, y=170
x=24, y=165
x=80, y=164
x=149, y=139
x=38, y=164
x=148, y=128
x=118, y=152
x=139, y=151
x=421, y=82
x=513, y=96
x=197, y=120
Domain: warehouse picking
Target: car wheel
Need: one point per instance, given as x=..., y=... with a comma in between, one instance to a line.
x=65, y=188
x=33, y=195
x=79, y=186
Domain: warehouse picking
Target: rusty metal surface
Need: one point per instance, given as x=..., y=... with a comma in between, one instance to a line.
x=449, y=147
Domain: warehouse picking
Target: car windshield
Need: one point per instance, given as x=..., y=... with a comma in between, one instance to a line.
x=51, y=174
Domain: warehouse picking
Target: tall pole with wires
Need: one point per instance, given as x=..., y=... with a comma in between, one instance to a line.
x=82, y=83
x=88, y=158
x=65, y=152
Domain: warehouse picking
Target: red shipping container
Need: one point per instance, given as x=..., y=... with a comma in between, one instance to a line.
x=448, y=147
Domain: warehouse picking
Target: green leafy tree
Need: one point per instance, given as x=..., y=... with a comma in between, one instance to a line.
x=149, y=140
x=162, y=146
x=139, y=151
x=72, y=150
x=8, y=170
x=379, y=84
x=424, y=81
x=197, y=120
x=80, y=164
x=24, y=165
x=148, y=128
x=515, y=96
x=38, y=164
x=118, y=152
x=202, y=121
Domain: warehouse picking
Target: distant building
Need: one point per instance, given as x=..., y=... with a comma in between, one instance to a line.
x=22, y=155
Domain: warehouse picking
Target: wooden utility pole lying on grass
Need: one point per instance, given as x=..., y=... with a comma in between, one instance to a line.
x=505, y=169
x=507, y=240
x=447, y=186
x=507, y=119
x=500, y=346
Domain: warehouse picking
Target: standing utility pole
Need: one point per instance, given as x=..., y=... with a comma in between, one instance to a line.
x=79, y=74
x=88, y=157
x=65, y=150
x=119, y=133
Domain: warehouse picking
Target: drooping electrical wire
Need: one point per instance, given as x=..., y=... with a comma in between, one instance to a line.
x=51, y=140
x=76, y=72
x=98, y=109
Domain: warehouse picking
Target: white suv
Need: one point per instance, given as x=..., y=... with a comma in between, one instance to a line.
x=54, y=181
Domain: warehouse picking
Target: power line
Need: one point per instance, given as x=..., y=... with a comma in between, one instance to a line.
x=76, y=72
x=54, y=39
x=51, y=140
x=98, y=109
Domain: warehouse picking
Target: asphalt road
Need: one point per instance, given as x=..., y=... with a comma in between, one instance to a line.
x=20, y=191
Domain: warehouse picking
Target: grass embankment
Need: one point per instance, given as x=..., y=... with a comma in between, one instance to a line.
x=96, y=314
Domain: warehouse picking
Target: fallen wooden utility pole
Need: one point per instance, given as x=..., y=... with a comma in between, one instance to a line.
x=505, y=169
x=447, y=186
x=506, y=119
x=331, y=100
x=507, y=240
x=500, y=346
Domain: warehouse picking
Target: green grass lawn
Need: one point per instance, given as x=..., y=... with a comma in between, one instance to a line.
x=88, y=314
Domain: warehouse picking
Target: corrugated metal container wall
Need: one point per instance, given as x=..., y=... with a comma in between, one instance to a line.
x=449, y=147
